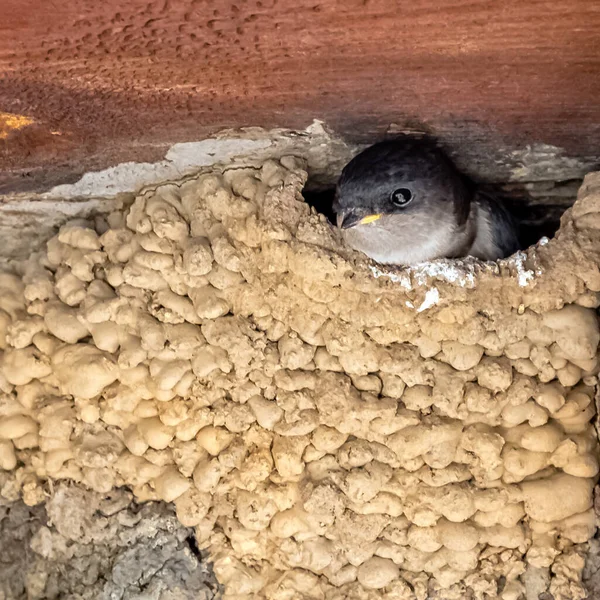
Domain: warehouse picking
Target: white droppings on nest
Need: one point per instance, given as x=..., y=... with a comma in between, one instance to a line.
x=432, y=297
x=457, y=272
x=524, y=275
x=401, y=277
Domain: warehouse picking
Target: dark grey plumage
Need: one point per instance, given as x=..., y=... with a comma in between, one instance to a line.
x=403, y=202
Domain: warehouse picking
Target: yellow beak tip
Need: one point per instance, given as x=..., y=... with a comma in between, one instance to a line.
x=369, y=219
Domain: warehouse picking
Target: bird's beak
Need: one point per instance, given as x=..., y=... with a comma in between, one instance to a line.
x=352, y=217
x=369, y=219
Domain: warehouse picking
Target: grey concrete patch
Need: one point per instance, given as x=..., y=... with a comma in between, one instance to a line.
x=80, y=545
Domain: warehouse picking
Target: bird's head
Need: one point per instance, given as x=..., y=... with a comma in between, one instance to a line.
x=398, y=182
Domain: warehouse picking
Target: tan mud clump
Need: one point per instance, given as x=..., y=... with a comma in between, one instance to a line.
x=333, y=429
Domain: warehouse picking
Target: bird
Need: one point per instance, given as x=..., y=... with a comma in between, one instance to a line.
x=403, y=202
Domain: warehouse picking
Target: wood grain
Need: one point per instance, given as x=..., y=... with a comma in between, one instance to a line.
x=120, y=79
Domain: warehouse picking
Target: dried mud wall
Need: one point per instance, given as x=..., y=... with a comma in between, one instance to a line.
x=331, y=428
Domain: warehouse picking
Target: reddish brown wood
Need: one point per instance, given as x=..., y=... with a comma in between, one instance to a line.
x=118, y=79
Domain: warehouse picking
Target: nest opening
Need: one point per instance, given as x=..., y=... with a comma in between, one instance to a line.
x=537, y=214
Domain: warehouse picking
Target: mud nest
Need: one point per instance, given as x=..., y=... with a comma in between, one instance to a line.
x=330, y=428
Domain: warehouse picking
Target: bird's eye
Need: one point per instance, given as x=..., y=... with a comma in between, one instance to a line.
x=401, y=197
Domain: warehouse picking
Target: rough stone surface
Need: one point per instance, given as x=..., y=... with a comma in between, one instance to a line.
x=79, y=544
